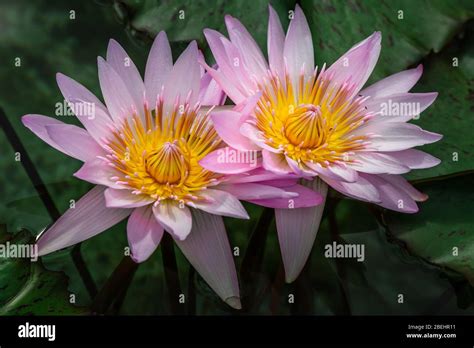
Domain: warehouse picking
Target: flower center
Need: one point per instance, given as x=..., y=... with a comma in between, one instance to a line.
x=313, y=121
x=158, y=154
x=167, y=164
x=305, y=126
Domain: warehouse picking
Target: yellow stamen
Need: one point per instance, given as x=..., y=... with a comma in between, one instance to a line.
x=158, y=155
x=313, y=123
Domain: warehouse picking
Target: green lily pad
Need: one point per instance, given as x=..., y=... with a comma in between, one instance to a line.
x=441, y=233
x=184, y=20
x=27, y=288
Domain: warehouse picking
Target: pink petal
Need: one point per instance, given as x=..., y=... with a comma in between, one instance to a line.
x=128, y=72
x=210, y=93
x=297, y=229
x=225, y=77
x=175, y=219
x=400, y=107
x=280, y=182
x=378, y=163
x=335, y=171
x=260, y=175
x=252, y=191
x=300, y=168
x=144, y=233
x=275, y=43
x=221, y=203
x=220, y=161
x=158, y=66
x=275, y=162
x=298, y=50
x=88, y=218
x=248, y=48
x=402, y=184
x=67, y=138
x=392, y=197
x=75, y=141
x=357, y=64
x=208, y=250
x=184, y=78
x=85, y=105
x=238, y=71
x=125, y=199
x=229, y=87
x=415, y=159
x=396, y=136
x=216, y=43
x=256, y=136
x=98, y=172
x=227, y=124
x=37, y=124
x=397, y=83
x=116, y=95
x=306, y=198
x=247, y=107
x=362, y=189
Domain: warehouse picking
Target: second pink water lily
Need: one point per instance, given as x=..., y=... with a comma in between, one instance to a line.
x=318, y=123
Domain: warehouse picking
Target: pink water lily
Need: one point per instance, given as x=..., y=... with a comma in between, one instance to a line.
x=142, y=150
x=319, y=123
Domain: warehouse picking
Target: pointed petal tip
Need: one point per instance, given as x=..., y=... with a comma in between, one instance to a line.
x=193, y=44
x=100, y=61
x=435, y=161
x=412, y=211
x=210, y=32
x=290, y=278
x=25, y=119
x=112, y=42
x=234, y=302
x=229, y=22
x=60, y=76
x=435, y=137
x=180, y=237
x=423, y=198
x=374, y=39
x=136, y=260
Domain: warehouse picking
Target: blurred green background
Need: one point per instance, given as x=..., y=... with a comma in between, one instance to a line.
x=405, y=254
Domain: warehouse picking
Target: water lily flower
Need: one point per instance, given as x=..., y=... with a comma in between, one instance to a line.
x=319, y=123
x=142, y=150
